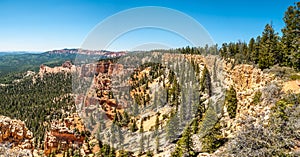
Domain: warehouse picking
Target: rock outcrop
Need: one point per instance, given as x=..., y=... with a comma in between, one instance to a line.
x=64, y=134
x=14, y=135
x=101, y=91
x=246, y=80
x=65, y=67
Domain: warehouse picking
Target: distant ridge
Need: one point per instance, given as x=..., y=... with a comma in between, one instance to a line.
x=63, y=51
x=4, y=53
x=88, y=52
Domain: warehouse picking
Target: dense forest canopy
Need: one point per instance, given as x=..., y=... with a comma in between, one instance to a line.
x=12, y=66
x=37, y=101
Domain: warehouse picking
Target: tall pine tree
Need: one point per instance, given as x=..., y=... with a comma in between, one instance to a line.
x=291, y=37
x=268, y=48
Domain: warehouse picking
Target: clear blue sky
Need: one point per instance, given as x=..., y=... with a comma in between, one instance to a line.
x=40, y=25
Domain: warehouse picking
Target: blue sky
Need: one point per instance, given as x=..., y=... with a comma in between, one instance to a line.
x=33, y=25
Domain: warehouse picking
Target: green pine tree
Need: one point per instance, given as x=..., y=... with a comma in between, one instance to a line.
x=133, y=127
x=172, y=126
x=269, y=51
x=231, y=102
x=142, y=140
x=291, y=37
x=185, y=146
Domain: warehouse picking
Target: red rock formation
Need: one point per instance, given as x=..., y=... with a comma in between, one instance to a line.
x=67, y=64
x=62, y=135
x=66, y=67
x=16, y=133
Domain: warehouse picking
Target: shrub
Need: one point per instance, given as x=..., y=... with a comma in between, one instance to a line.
x=257, y=98
x=276, y=139
x=295, y=77
x=270, y=93
x=279, y=71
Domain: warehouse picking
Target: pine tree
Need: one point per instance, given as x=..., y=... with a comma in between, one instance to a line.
x=255, y=54
x=133, y=127
x=245, y=52
x=203, y=79
x=195, y=124
x=186, y=142
x=268, y=49
x=223, y=51
x=172, y=126
x=157, y=143
x=251, y=47
x=120, y=136
x=112, y=152
x=213, y=139
x=251, y=50
x=291, y=37
x=231, y=102
x=142, y=141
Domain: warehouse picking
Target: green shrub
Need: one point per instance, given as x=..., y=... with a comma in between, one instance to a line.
x=278, y=138
x=279, y=71
x=295, y=77
x=257, y=97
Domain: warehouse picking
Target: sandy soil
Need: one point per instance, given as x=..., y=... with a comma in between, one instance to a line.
x=293, y=86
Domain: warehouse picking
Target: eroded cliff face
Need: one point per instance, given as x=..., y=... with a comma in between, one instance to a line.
x=64, y=134
x=247, y=80
x=101, y=88
x=69, y=134
x=15, y=136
